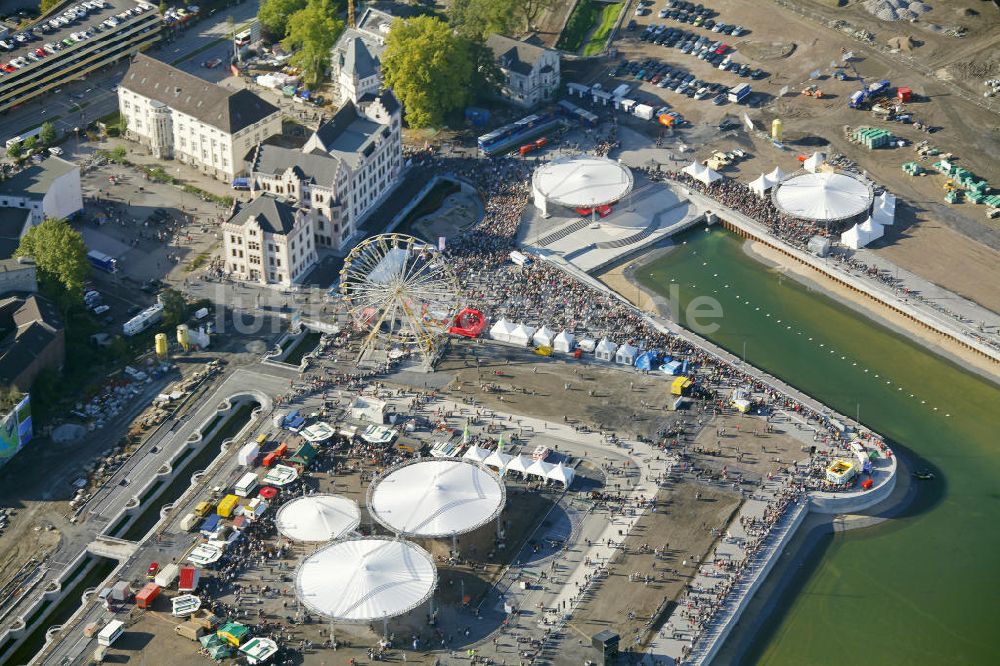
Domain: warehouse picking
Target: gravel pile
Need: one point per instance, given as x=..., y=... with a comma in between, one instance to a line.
x=896, y=10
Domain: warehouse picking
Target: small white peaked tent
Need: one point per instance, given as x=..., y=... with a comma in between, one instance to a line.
x=543, y=337
x=884, y=211
x=521, y=335
x=605, y=350
x=540, y=468
x=694, y=170
x=873, y=230
x=564, y=342
x=761, y=185
x=562, y=474
x=499, y=460
x=626, y=354
x=709, y=176
x=587, y=344
x=519, y=463
x=501, y=330
x=853, y=238
x=814, y=162
x=776, y=176
x=476, y=453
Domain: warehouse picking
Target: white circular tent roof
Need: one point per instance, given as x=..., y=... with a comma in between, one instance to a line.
x=363, y=579
x=824, y=197
x=317, y=518
x=582, y=181
x=436, y=497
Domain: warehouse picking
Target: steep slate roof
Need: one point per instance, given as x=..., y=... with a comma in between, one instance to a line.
x=213, y=105
x=272, y=214
x=514, y=55
x=274, y=160
x=35, y=324
x=12, y=221
x=358, y=59
x=349, y=134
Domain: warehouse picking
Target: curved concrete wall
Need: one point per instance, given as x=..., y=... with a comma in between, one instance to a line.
x=227, y=408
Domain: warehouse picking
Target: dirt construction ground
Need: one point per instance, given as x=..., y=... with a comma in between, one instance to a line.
x=626, y=606
x=946, y=74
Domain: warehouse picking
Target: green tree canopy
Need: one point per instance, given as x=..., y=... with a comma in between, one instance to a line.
x=15, y=150
x=274, y=15
x=60, y=257
x=477, y=19
x=47, y=134
x=175, y=307
x=31, y=142
x=46, y=5
x=311, y=34
x=429, y=67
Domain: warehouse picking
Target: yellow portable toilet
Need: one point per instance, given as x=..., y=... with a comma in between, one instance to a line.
x=776, y=129
x=161, y=345
x=182, y=337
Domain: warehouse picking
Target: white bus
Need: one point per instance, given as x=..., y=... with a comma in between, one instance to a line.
x=246, y=484
x=110, y=633
x=520, y=258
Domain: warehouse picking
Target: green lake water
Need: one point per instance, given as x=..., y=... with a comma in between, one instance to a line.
x=924, y=588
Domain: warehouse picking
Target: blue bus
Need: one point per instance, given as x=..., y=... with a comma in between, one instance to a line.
x=508, y=137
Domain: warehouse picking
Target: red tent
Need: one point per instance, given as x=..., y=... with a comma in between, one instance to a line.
x=188, y=581
x=268, y=492
x=468, y=322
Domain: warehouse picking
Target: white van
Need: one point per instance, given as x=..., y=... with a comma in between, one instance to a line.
x=110, y=633
x=246, y=484
x=520, y=258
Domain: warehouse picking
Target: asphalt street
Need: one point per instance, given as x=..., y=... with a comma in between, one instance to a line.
x=80, y=102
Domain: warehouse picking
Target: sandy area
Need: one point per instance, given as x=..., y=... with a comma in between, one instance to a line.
x=626, y=402
x=940, y=343
x=741, y=443
x=682, y=525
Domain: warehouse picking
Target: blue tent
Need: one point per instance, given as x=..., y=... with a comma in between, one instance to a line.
x=671, y=367
x=648, y=360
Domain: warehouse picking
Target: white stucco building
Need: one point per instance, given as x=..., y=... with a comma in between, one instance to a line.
x=355, y=66
x=50, y=188
x=269, y=241
x=531, y=73
x=177, y=115
x=344, y=169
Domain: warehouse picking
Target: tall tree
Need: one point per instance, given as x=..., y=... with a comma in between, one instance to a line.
x=477, y=19
x=274, y=14
x=429, y=68
x=529, y=10
x=15, y=150
x=311, y=34
x=60, y=257
x=47, y=134
x=175, y=308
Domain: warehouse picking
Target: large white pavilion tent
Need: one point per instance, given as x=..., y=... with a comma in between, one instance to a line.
x=521, y=335
x=315, y=518
x=606, y=350
x=501, y=330
x=362, y=580
x=562, y=474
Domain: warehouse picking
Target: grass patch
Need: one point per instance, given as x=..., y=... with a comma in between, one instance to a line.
x=605, y=24
x=197, y=262
x=586, y=15
x=306, y=344
x=112, y=118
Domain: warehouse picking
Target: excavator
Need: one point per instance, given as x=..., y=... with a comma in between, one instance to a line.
x=812, y=91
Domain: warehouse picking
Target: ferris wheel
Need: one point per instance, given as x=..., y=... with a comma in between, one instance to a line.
x=401, y=291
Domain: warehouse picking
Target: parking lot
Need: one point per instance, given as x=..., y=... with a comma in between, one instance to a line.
x=681, y=56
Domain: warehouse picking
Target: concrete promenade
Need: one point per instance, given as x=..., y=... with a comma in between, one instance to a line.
x=960, y=322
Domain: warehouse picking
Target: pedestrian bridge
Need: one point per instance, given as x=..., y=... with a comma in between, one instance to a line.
x=112, y=547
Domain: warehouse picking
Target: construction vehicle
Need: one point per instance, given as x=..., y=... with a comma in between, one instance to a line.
x=812, y=91
x=949, y=185
x=867, y=92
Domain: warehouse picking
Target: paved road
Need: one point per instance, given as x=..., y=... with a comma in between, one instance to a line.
x=80, y=102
